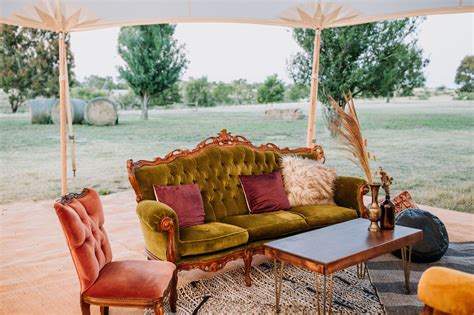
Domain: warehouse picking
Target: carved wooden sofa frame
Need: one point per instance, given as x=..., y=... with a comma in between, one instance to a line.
x=224, y=139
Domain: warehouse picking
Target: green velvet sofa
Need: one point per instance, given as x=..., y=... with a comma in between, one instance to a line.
x=229, y=231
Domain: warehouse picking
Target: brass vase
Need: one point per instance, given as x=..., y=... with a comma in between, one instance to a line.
x=374, y=209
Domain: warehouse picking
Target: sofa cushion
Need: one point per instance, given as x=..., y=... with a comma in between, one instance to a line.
x=267, y=225
x=322, y=215
x=307, y=181
x=210, y=237
x=132, y=279
x=264, y=192
x=185, y=200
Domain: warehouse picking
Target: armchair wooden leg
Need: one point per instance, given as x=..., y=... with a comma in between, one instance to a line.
x=427, y=310
x=104, y=310
x=174, y=291
x=158, y=308
x=248, y=266
x=85, y=308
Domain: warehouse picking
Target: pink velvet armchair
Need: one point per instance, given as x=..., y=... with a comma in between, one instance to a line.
x=128, y=283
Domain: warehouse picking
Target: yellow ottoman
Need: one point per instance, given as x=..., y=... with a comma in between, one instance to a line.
x=444, y=290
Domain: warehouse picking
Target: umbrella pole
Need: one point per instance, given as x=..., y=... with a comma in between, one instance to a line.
x=313, y=99
x=69, y=114
x=62, y=112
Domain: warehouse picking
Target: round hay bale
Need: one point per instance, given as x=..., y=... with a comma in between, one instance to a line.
x=77, y=109
x=101, y=111
x=40, y=110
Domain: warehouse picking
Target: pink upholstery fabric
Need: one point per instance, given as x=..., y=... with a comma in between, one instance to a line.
x=82, y=221
x=132, y=279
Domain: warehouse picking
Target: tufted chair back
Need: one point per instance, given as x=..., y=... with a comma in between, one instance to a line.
x=82, y=220
x=216, y=170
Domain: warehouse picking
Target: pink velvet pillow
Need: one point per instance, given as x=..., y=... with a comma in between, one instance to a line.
x=265, y=192
x=185, y=200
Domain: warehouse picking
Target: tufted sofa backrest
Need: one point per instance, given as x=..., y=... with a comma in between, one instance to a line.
x=82, y=220
x=216, y=170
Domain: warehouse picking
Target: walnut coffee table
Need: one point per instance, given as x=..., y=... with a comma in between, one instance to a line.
x=336, y=247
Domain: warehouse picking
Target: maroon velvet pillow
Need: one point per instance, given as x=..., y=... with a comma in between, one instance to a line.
x=265, y=192
x=185, y=200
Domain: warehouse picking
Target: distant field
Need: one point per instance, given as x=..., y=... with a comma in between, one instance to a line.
x=427, y=146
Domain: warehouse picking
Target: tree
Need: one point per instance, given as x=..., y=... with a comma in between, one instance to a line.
x=169, y=96
x=97, y=82
x=374, y=59
x=296, y=92
x=244, y=92
x=222, y=93
x=402, y=78
x=97, y=86
x=86, y=93
x=465, y=74
x=272, y=90
x=198, y=92
x=29, y=63
x=154, y=60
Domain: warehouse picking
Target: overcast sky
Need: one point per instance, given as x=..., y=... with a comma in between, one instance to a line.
x=224, y=52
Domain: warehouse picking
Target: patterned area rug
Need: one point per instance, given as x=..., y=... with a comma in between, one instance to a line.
x=387, y=276
x=227, y=294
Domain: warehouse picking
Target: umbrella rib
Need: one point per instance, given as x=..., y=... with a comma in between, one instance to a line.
x=47, y=19
x=73, y=20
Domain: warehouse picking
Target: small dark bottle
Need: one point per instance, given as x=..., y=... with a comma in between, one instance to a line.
x=387, y=219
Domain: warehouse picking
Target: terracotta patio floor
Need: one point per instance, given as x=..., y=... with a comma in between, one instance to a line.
x=37, y=274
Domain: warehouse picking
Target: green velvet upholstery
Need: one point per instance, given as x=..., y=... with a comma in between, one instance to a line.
x=216, y=170
x=228, y=226
x=194, y=240
x=268, y=225
x=216, y=255
x=323, y=215
x=348, y=193
x=210, y=237
x=150, y=213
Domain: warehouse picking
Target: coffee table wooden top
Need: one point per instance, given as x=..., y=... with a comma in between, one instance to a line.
x=339, y=246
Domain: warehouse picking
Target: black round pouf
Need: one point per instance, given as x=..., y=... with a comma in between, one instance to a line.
x=435, y=237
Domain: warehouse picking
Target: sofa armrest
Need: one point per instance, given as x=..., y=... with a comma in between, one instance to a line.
x=350, y=192
x=447, y=291
x=160, y=228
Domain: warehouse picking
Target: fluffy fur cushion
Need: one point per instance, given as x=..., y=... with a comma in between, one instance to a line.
x=307, y=182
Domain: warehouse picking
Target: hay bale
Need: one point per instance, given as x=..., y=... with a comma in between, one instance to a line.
x=101, y=112
x=40, y=110
x=284, y=114
x=77, y=109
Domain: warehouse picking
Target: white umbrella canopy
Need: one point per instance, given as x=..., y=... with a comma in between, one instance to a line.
x=65, y=16
x=79, y=15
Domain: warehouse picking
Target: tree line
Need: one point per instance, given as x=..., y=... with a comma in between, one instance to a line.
x=29, y=64
x=198, y=92
x=372, y=60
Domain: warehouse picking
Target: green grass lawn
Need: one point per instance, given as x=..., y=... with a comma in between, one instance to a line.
x=426, y=146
